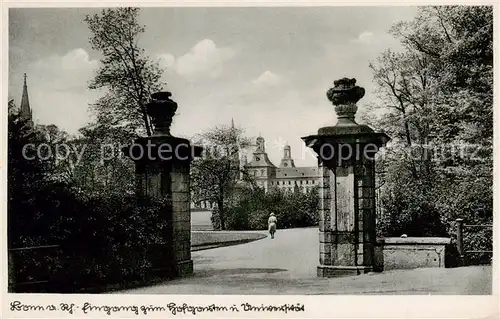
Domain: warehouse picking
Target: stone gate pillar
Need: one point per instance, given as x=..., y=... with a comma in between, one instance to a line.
x=347, y=176
x=162, y=164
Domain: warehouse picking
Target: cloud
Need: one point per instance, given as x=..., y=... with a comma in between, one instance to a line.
x=268, y=78
x=71, y=71
x=365, y=37
x=204, y=60
x=167, y=60
x=58, y=87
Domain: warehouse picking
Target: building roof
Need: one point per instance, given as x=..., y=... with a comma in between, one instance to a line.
x=297, y=172
x=260, y=160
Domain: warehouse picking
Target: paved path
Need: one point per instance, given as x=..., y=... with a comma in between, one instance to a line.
x=287, y=265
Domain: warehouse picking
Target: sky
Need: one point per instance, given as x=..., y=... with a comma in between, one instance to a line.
x=266, y=68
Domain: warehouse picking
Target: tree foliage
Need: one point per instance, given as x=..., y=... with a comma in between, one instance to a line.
x=436, y=100
x=215, y=175
x=125, y=71
x=25, y=177
x=103, y=236
x=103, y=166
x=292, y=209
x=457, y=41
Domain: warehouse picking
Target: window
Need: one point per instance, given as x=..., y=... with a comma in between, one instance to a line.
x=289, y=182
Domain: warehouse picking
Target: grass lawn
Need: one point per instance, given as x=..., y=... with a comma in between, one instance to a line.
x=212, y=239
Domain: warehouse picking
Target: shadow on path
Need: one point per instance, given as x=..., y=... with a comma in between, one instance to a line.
x=287, y=266
x=235, y=271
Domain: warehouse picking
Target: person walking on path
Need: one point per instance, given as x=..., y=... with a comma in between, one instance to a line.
x=271, y=222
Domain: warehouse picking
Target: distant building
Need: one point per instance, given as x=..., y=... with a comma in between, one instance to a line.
x=266, y=175
x=287, y=176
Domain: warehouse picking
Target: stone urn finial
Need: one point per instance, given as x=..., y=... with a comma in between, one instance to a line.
x=344, y=95
x=162, y=110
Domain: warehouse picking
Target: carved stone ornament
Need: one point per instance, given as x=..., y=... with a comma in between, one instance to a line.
x=344, y=95
x=161, y=109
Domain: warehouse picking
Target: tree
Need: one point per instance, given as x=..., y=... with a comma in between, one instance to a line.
x=103, y=166
x=59, y=142
x=441, y=87
x=458, y=43
x=27, y=174
x=403, y=87
x=126, y=72
x=438, y=92
x=214, y=176
x=293, y=209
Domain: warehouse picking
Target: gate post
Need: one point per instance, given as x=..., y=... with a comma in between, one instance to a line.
x=460, y=239
x=346, y=152
x=162, y=164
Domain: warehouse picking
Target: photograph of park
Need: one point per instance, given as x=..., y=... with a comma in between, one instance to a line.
x=250, y=150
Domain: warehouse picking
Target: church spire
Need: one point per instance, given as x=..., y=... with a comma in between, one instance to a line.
x=25, y=103
x=232, y=123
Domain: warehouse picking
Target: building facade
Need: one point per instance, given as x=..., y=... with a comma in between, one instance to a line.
x=287, y=176
x=266, y=175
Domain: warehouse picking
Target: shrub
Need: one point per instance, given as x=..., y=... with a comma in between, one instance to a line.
x=470, y=198
x=111, y=243
x=430, y=206
x=254, y=207
x=105, y=237
x=410, y=210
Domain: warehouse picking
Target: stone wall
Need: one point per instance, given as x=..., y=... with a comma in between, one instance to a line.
x=411, y=252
